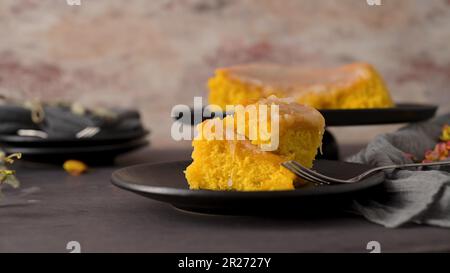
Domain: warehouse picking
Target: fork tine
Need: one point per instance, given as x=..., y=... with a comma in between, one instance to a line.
x=88, y=132
x=310, y=175
x=288, y=165
x=294, y=170
x=318, y=175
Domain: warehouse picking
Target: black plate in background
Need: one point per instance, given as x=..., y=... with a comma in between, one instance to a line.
x=166, y=182
x=25, y=141
x=99, y=154
x=401, y=113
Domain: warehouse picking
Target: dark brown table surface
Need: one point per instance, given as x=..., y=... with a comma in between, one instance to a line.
x=103, y=218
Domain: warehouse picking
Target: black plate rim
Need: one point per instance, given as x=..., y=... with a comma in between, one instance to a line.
x=156, y=191
x=31, y=140
x=421, y=112
x=397, y=106
x=83, y=149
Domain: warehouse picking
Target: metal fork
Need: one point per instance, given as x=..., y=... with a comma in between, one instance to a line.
x=87, y=132
x=321, y=179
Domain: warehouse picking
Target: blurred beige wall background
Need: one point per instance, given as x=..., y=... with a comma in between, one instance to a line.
x=155, y=54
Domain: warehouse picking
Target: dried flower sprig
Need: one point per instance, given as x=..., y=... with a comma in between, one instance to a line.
x=10, y=158
x=445, y=136
x=442, y=149
x=8, y=176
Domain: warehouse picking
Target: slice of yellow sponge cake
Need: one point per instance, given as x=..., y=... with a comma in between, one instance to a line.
x=299, y=132
x=221, y=164
x=356, y=85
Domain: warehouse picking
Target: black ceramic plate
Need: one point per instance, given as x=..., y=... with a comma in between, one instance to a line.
x=401, y=113
x=25, y=141
x=165, y=182
x=91, y=154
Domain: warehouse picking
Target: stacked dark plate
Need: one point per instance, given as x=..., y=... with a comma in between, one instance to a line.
x=63, y=134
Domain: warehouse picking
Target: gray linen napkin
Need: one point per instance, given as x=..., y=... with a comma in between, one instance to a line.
x=61, y=122
x=407, y=196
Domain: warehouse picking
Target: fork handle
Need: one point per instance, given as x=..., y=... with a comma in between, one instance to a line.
x=410, y=165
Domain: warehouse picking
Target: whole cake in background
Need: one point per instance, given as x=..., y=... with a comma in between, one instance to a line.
x=220, y=164
x=356, y=85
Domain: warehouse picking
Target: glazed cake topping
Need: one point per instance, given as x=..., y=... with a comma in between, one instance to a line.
x=295, y=113
x=294, y=79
